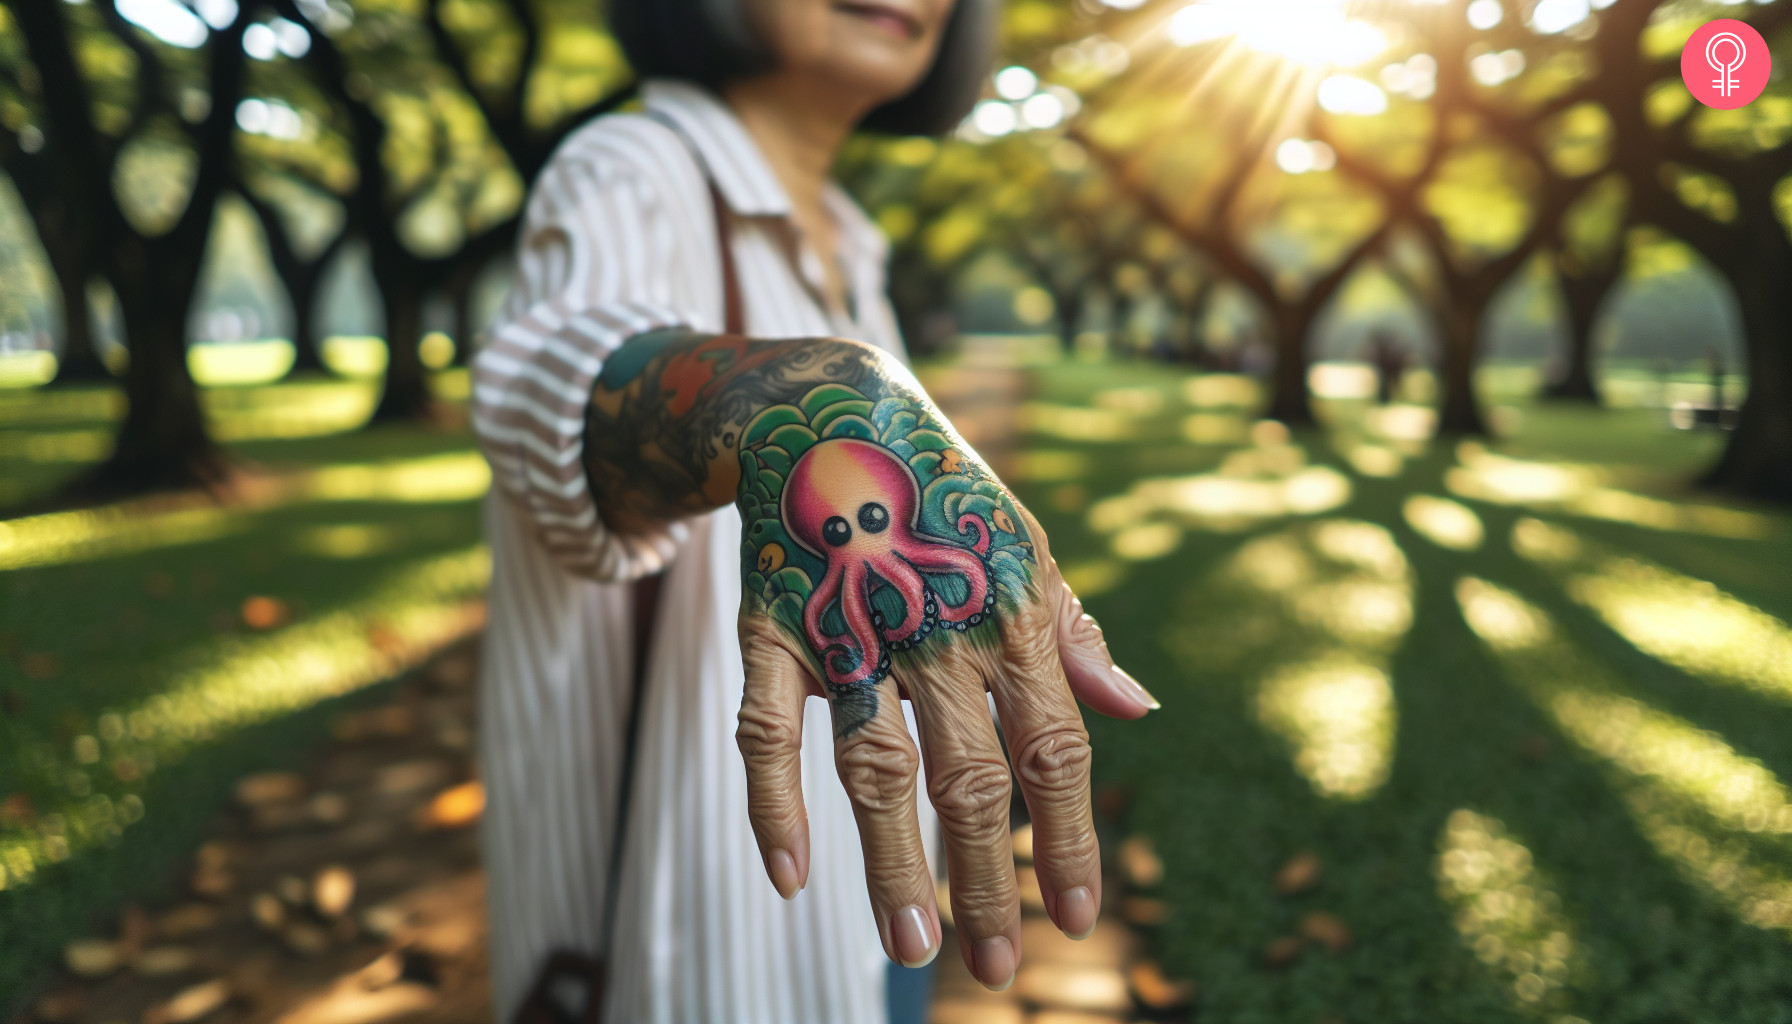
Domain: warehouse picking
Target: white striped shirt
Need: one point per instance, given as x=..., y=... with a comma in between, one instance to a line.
x=619, y=238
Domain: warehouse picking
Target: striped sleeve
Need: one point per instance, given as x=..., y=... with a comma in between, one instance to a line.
x=593, y=262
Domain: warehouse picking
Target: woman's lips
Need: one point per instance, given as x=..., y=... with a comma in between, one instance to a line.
x=891, y=19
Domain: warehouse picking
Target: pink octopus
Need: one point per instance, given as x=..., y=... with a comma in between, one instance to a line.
x=856, y=504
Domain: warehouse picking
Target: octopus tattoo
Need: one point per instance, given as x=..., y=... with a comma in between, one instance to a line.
x=856, y=505
x=867, y=528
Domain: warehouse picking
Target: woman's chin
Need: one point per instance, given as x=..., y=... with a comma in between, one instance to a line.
x=865, y=74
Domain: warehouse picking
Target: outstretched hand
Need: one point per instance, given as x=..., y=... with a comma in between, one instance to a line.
x=880, y=559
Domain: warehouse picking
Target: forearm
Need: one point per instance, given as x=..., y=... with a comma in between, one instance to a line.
x=664, y=427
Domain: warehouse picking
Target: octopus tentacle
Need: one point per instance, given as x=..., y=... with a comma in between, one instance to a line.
x=941, y=556
x=972, y=519
x=908, y=583
x=823, y=595
x=855, y=604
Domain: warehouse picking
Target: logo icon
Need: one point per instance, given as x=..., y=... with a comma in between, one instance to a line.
x=1725, y=64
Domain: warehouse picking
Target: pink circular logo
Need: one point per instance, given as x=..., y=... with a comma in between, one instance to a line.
x=1725, y=64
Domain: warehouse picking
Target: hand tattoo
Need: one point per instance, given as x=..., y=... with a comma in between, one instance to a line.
x=868, y=528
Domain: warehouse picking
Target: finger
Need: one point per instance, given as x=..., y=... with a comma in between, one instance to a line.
x=1082, y=650
x=1089, y=667
x=969, y=784
x=877, y=763
x=1050, y=752
x=770, y=735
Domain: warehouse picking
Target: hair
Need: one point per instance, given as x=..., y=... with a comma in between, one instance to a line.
x=710, y=42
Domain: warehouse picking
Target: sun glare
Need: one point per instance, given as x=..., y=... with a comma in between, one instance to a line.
x=1309, y=32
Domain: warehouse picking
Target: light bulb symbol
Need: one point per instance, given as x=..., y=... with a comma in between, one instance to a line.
x=1725, y=83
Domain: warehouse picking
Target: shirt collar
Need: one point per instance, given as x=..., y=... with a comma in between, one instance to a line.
x=728, y=153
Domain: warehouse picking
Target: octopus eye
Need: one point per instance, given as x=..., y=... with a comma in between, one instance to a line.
x=835, y=531
x=873, y=518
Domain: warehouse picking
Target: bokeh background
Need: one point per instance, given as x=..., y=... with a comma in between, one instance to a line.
x=1406, y=384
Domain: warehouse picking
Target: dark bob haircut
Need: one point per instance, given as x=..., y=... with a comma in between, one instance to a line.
x=709, y=42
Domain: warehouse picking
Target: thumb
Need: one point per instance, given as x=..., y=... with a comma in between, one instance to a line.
x=1094, y=678
x=770, y=735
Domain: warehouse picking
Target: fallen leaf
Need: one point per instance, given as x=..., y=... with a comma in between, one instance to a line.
x=1329, y=930
x=1139, y=859
x=1299, y=874
x=1159, y=993
x=456, y=807
x=1283, y=951
x=264, y=612
x=1144, y=912
x=16, y=809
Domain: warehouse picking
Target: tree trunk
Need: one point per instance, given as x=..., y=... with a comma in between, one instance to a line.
x=1120, y=324
x=406, y=393
x=460, y=313
x=1459, y=409
x=307, y=347
x=163, y=443
x=80, y=362
x=1070, y=317
x=1758, y=460
x=1582, y=295
x=1289, y=401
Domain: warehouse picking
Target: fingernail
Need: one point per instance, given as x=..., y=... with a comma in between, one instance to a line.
x=1077, y=912
x=782, y=867
x=912, y=937
x=993, y=963
x=1140, y=694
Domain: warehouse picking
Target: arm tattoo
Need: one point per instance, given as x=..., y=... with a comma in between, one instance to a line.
x=869, y=529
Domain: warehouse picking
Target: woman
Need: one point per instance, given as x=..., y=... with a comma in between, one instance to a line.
x=620, y=409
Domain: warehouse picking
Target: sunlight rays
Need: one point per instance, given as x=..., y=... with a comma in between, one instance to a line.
x=1583, y=491
x=1506, y=912
x=1697, y=800
x=85, y=535
x=228, y=686
x=1327, y=603
x=1679, y=619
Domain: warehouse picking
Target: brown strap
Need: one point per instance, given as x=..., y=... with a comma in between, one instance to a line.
x=734, y=317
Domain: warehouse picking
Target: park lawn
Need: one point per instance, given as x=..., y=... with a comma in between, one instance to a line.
x=1523, y=806
x=150, y=662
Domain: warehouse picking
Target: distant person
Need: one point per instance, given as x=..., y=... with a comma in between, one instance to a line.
x=1389, y=360
x=697, y=381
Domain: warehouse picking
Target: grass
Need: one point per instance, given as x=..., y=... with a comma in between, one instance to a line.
x=1551, y=792
x=152, y=659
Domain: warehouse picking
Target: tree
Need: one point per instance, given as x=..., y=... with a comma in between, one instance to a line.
x=80, y=131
